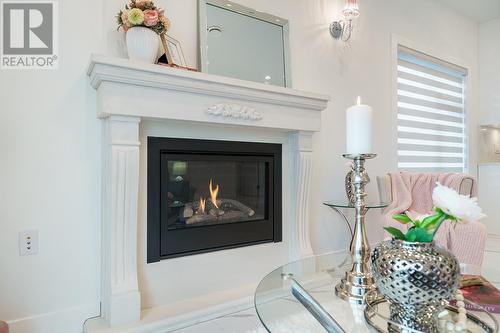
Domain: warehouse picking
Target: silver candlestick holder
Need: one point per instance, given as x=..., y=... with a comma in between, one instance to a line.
x=358, y=282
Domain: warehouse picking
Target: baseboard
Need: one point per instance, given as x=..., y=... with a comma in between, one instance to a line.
x=169, y=324
x=68, y=320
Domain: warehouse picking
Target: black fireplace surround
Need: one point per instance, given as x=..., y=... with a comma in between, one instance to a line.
x=206, y=195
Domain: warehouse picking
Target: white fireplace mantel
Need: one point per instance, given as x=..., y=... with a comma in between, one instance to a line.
x=128, y=92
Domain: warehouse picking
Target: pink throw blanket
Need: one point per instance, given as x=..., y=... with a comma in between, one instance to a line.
x=412, y=192
x=4, y=328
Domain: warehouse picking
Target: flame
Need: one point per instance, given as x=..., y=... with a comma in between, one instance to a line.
x=359, y=100
x=201, y=207
x=213, y=193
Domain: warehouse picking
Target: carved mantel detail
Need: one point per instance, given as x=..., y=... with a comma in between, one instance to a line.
x=236, y=111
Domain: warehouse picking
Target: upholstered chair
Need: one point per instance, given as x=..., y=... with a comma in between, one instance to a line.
x=466, y=241
x=4, y=328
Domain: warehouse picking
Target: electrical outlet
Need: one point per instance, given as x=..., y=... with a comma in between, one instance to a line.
x=28, y=242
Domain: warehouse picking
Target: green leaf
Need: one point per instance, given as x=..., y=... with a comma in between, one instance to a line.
x=423, y=236
x=411, y=235
x=430, y=220
x=396, y=233
x=419, y=235
x=403, y=218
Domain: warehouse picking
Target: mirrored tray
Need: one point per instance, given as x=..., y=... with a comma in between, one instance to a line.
x=377, y=318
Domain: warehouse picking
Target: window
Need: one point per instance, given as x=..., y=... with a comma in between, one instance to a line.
x=431, y=114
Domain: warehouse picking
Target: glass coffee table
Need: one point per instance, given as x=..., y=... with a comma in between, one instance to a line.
x=281, y=312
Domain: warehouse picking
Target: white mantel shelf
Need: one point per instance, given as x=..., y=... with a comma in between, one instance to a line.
x=303, y=107
x=127, y=93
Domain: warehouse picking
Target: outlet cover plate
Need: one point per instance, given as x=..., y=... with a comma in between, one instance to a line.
x=28, y=242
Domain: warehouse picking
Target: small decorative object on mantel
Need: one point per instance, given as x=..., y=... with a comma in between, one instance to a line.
x=173, y=56
x=143, y=23
x=173, y=51
x=414, y=275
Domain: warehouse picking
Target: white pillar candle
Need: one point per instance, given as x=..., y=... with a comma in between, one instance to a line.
x=359, y=129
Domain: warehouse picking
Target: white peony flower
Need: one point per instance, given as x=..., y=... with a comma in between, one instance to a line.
x=461, y=207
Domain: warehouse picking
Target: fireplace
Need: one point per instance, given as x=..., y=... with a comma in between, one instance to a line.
x=129, y=94
x=206, y=196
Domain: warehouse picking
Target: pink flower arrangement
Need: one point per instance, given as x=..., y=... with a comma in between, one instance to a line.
x=141, y=4
x=143, y=13
x=151, y=18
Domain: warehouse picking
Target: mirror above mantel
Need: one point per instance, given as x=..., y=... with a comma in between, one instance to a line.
x=244, y=43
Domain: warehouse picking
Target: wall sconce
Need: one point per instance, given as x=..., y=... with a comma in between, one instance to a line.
x=343, y=29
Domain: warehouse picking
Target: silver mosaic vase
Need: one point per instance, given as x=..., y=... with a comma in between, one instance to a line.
x=417, y=278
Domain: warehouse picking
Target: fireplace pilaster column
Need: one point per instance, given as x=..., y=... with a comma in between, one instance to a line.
x=302, y=151
x=120, y=293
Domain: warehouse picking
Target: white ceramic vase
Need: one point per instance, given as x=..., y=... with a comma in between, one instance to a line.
x=142, y=44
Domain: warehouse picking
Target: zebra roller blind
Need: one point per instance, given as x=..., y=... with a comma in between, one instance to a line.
x=431, y=114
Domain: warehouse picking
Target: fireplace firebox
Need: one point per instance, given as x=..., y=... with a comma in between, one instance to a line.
x=206, y=195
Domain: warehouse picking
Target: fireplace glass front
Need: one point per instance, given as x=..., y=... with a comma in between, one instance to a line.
x=211, y=195
x=210, y=190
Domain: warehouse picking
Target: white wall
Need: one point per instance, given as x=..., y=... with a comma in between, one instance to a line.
x=50, y=181
x=489, y=144
x=489, y=68
x=50, y=136
x=489, y=101
x=489, y=184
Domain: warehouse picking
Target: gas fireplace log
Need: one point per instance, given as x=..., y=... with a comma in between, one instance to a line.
x=188, y=211
x=243, y=208
x=229, y=210
x=191, y=208
x=232, y=216
x=201, y=219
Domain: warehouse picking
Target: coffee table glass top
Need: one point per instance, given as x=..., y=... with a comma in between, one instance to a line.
x=280, y=312
x=278, y=309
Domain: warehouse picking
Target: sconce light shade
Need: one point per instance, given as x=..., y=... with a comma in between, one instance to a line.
x=343, y=29
x=351, y=9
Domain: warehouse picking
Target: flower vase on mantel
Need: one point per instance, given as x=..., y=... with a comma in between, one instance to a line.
x=143, y=24
x=142, y=44
x=413, y=274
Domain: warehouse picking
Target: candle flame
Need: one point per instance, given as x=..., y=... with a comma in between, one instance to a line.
x=213, y=193
x=359, y=100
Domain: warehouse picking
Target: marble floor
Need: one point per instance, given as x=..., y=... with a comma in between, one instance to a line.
x=248, y=322
x=241, y=322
